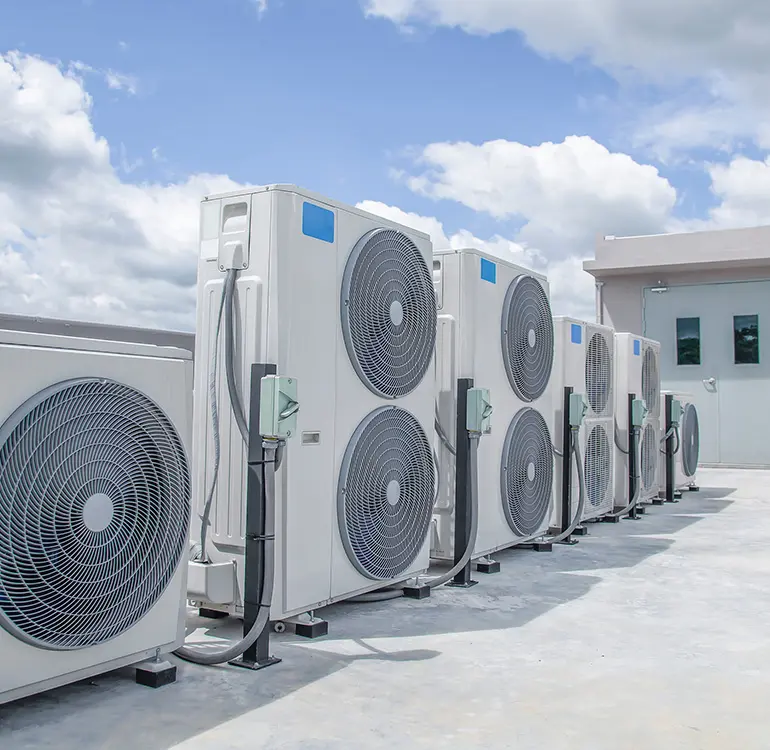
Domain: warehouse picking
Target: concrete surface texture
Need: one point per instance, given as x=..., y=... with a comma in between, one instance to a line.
x=648, y=634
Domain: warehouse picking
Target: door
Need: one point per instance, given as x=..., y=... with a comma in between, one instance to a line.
x=711, y=347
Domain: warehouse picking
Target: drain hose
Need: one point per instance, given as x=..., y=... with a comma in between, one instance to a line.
x=637, y=480
x=576, y=452
x=395, y=593
x=200, y=654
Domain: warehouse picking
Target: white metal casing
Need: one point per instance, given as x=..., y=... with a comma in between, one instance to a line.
x=629, y=357
x=30, y=362
x=572, y=368
x=652, y=432
x=468, y=345
x=288, y=301
x=682, y=480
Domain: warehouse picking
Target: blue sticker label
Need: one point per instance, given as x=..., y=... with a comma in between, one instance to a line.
x=577, y=334
x=489, y=271
x=317, y=222
x=637, y=347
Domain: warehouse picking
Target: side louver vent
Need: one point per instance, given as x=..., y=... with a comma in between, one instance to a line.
x=650, y=450
x=94, y=513
x=651, y=382
x=598, y=467
x=599, y=375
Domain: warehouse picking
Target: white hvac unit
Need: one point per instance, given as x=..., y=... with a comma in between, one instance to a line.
x=94, y=506
x=637, y=372
x=495, y=326
x=584, y=361
x=686, y=458
x=342, y=301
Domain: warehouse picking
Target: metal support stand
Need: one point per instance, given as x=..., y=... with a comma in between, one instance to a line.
x=256, y=656
x=670, y=459
x=566, y=467
x=636, y=511
x=462, y=485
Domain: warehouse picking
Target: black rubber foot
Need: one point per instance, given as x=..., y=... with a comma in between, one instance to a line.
x=212, y=614
x=461, y=584
x=315, y=629
x=569, y=541
x=489, y=567
x=417, y=592
x=693, y=489
x=255, y=665
x=610, y=519
x=658, y=501
x=580, y=531
x=678, y=495
x=155, y=674
x=542, y=546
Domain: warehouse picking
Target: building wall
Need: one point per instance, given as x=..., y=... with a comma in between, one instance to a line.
x=623, y=295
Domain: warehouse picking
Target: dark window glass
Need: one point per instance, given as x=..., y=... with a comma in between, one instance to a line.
x=688, y=341
x=746, y=330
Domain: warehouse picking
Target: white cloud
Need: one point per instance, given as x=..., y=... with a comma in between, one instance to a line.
x=76, y=241
x=565, y=192
x=723, y=44
x=121, y=81
x=742, y=188
x=124, y=46
x=261, y=6
x=572, y=289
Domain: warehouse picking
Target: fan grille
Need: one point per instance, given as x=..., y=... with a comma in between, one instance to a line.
x=599, y=375
x=94, y=512
x=527, y=337
x=527, y=472
x=598, y=466
x=651, y=382
x=388, y=313
x=385, y=494
x=690, y=441
x=650, y=451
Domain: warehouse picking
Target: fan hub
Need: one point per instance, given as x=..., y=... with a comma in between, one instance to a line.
x=531, y=338
x=393, y=492
x=531, y=472
x=396, y=312
x=98, y=512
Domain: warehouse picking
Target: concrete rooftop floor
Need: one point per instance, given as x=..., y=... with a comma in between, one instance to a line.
x=650, y=634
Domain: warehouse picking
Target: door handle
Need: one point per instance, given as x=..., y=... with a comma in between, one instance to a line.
x=710, y=381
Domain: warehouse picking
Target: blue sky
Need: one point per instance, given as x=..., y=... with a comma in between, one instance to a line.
x=345, y=96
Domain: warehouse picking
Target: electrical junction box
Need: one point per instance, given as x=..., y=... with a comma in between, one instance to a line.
x=278, y=407
x=479, y=411
x=676, y=412
x=577, y=409
x=638, y=412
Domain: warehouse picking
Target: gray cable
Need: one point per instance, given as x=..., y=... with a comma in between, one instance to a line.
x=205, y=516
x=637, y=482
x=395, y=593
x=235, y=399
x=442, y=433
x=575, y=443
x=210, y=655
x=617, y=443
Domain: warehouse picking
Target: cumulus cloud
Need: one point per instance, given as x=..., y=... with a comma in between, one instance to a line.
x=76, y=241
x=721, y=43
x=564, y=192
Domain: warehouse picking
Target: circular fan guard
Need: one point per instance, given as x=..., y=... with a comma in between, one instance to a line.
x=385, y=493
x=526, y=473
x=598, y=466
x=527, y=337
x=690, y=440
x=650, y=449
x=598, y=374
x=388, y=310
x=651, y=381
x=94, y=513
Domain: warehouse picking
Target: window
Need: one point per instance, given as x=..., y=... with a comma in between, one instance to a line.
x=746, y=332
x=688, y=341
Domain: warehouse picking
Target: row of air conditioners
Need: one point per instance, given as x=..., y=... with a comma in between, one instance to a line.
x=374, y=329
